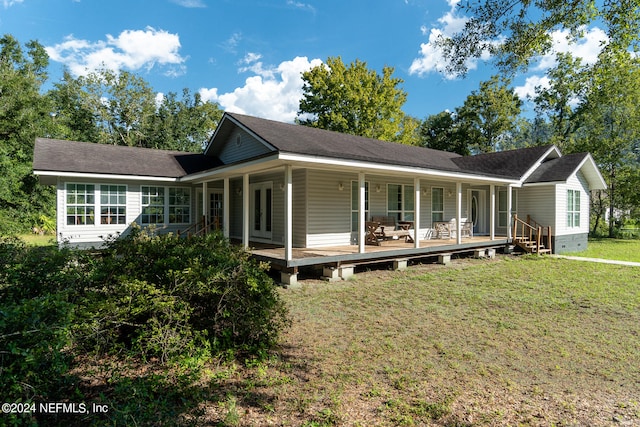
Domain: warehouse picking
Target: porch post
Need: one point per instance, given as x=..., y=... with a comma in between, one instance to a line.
x=492, y=212
x=225, y=209
x=510, y=211
x=361, y=213
x=416, y=215
x=458, y=213
x=288, y=213
x=204, y=207
x=245, y=211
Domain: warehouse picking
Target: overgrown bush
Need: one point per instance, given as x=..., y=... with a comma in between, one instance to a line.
x=161, y=297
x=162, y=294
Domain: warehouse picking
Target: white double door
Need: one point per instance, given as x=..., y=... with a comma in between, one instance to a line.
x=261, y=210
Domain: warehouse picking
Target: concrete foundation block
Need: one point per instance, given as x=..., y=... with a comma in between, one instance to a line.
x=290, y=280
x=400, y=264
x=479, y=253
x=346, y=271
x=444, y=259
x=330, y=273
x=491, y=253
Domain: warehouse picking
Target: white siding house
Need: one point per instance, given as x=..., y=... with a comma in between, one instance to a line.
x=240, y=185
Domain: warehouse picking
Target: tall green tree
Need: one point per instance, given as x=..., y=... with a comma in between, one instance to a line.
x=488, y=117
x=516, y=31
x=353, y=99
x=439, y=131
x=557, y=103
x=23, y=116
x=610, y=126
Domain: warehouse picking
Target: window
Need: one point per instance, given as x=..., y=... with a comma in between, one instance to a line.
x=179, y=205
x=400, y=202
x=152, y=205
x=80, y=204
x=503, y=210
x=113, y=204
x=437, y=204
x=573, y=208
x=354, y=203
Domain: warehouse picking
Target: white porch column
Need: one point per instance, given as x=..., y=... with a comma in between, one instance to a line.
x=245, y=210
x=458, y=213
x=204, y=206
x=510, y=211
x=361, y=213
x=226, y=198
x=492, y=212
x=416, y=215
x=288, y=213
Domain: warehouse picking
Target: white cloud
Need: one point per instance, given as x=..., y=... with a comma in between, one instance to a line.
x=231, y=44
x=272, y=93
x=431, y=59
x=301, y=5
x=587, y=47
x=529, y=88
x=9, y=3
x=190, y=3
x=132, y=49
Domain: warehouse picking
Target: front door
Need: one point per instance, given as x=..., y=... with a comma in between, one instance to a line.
x=261, y=210
x=215, y=210
x=477, y=212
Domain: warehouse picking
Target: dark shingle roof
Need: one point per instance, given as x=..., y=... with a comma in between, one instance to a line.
x=509, y=164
x=557, y=170
x=298, y=139
x=86, y=157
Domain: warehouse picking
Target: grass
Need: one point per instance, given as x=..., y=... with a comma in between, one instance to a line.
x=513, y=341
x=38, y=240
x=615, y=249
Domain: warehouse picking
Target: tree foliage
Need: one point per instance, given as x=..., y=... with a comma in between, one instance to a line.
x=144, y=297
x=486, y=122
x=353, y=99
x=23, y=116
x=516, y=31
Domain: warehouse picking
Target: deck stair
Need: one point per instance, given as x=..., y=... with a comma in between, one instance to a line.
x=531, y=236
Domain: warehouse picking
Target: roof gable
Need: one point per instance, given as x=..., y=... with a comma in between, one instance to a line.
x=514, y=164
x=562, y=168
x=86, y=157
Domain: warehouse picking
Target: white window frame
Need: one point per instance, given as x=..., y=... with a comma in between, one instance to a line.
x=115, y=206
x=573, y=208
x=503, y=214
x=89, y=207
x=433, y=211
x=178, y=210
x=405, y=213
x=167, y=209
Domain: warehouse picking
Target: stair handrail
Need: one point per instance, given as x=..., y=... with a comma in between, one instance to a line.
x=525, y=227
x=194, y=228
x=545, y=230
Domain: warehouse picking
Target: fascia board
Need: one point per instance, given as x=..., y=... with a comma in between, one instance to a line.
x=104, y=176
x=401, y=170
x=528, y=173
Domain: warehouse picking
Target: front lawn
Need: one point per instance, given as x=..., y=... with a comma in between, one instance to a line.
x=616, y=249
x=529, y=341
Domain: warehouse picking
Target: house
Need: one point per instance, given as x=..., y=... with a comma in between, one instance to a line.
x=305, y=194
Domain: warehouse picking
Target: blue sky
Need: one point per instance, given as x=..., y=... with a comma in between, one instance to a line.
x=248, y=55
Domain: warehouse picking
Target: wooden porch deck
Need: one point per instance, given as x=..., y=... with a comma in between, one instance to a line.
x=391, y=249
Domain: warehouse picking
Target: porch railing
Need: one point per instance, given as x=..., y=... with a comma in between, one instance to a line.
x=196, y=229
x=531, y=236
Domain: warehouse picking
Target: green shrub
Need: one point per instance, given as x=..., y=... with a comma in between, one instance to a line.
x=162, y=294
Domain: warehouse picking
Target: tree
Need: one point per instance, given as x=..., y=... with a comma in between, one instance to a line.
x=438, y=131
x=610, y=126
x=353, y=99
x=558, y=101
x=488, y=116
x=122, y=109
x=23, y=116
x=516, y=31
